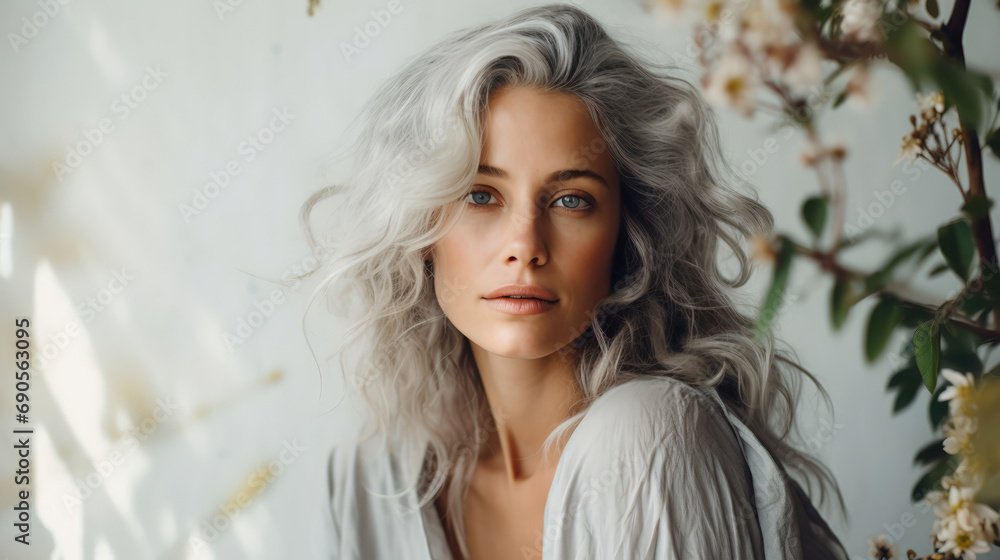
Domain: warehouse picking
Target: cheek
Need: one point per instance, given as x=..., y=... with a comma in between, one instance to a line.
x=452, y=255
x=593, y=266
x=465, y=246
x=590, y=260
x=454, y=267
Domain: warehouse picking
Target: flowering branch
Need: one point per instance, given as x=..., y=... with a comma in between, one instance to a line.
x=747, y=49
x=982, y=226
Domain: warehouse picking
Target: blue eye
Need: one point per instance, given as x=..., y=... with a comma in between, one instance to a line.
x=572, y=202
x=481, y=198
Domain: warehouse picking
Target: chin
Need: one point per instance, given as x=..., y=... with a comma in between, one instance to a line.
x=524, y=345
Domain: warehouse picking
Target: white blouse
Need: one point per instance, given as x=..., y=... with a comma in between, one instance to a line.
x=655, y=470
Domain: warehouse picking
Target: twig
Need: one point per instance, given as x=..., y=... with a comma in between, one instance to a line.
x=947, y=172
x=827, y=261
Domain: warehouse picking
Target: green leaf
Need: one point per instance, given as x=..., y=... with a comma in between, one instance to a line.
x=973, y=303
x=962, y=361
x=881, y=323
x=931, y=453
x=937, y=270
x=985, y=85
x=927, y=350
x=993, y=142
x=840, y=302
x=977, y=206
x=991, y=279
x=907, y=252
x=841, y=97
x=937, y=410
x=927, y=250
x=774, y=295
x=911, y=317
x=914, y=54
x=932, y=9
x=857, y=239
x=983, y=317
x=906, y=376
x=957, y=340
x=907, y=382
x=823, y=13
x=905, y=397
x=958, y=246
x=814, y=212
x=877, y=279
x=811, y=5
x=962, y=88
x=932, y=479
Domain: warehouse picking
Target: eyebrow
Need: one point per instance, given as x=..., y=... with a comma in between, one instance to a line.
x=555, y=177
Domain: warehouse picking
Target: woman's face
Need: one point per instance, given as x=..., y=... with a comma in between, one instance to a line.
x=543, y=211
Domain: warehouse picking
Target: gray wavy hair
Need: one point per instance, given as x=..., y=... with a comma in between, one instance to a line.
x=670, y=311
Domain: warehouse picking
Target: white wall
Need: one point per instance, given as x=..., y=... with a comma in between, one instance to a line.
x=130, y=300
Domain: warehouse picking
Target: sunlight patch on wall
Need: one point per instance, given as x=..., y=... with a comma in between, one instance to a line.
x=71, y=371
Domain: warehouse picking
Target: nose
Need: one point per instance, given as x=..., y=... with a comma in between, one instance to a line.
x=525, y=241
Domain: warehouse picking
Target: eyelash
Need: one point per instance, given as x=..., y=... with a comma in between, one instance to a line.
x=581, y=196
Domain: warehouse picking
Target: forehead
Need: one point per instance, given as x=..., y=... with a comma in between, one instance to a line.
x=536, y=121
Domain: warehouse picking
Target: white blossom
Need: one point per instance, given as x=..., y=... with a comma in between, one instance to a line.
x=965, y=525
x=959, y=393
x=957, y=381
x=911, y=149
x=806, y=69
x=960, y=542
x=862, y=91
x=769, y=26
x=880, y=548
x=933, y=100
x=860, y=21
x=733, y=82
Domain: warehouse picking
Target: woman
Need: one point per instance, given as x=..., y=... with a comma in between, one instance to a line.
x=550, y=351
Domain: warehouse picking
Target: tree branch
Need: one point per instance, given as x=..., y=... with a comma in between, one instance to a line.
x=827, y=261
x=982, y=227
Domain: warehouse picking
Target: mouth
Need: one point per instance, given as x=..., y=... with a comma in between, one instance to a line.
x=526, y=292
x=525, y=297
x=520, y=305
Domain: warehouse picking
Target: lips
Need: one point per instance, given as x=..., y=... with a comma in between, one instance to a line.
x=521, y=292
x=520, y=306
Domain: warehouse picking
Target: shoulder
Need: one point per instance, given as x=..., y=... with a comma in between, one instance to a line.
x=656, y=465
x=347, y=461
x=364, y=475
x=653, y=431
x=349, y=469
x=370, y=507
x=643, y=414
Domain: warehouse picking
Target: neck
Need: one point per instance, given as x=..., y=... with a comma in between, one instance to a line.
x=528, y=398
